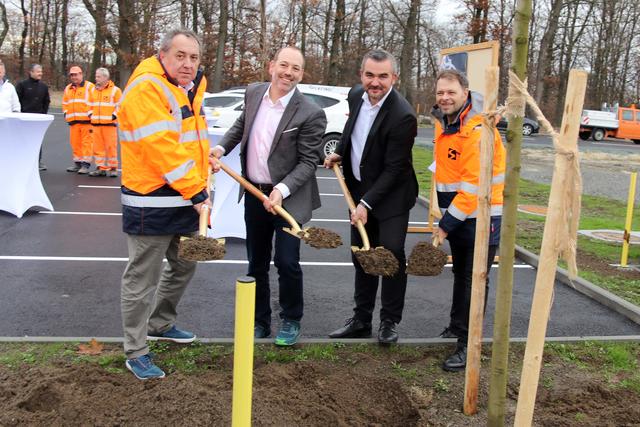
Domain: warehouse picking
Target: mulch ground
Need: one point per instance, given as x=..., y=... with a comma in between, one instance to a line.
x=353, y=386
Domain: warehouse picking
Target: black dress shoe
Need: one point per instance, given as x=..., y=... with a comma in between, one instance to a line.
x=353, y=328
x=448, y=333
x=457, y=361
x=387, y=333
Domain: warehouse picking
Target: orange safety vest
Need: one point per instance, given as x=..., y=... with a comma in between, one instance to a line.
x=75, y=102
x=457, y=156
x=163, y=138
x=102, y=103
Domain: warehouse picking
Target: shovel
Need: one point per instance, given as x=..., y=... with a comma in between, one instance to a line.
x=427, y=259
x=378, y=261
x=201, y=247
x=319, y=238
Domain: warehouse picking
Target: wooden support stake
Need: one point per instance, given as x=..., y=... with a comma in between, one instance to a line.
x=627, y=224
x=481, y=249
x=545, y=277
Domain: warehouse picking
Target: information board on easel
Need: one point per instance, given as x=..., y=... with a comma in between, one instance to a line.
x=473, y=60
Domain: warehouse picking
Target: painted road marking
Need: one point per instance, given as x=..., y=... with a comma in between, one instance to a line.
x=222, y=261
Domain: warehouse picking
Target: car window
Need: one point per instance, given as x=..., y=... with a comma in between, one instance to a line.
x=627, y=115
x=637, y=116
x=220, y=101
x=322, y=101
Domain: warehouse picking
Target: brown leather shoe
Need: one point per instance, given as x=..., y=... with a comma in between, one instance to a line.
x=387, y=334
x=353, y=328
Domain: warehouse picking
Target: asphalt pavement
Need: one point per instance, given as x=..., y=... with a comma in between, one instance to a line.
x=61, y=272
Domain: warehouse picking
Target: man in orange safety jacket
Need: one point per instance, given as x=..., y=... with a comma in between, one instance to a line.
x=457, y=157
x=75, y=106
x=103, y=101
x=165, y=157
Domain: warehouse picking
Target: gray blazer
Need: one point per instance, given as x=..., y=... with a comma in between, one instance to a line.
x=295, y=151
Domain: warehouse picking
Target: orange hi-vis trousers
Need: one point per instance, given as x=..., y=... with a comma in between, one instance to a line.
x=105, y=147
x=81, y=142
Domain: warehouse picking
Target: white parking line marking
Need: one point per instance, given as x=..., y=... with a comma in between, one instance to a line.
x=223, y=261
x=326, y=177
x=99, y=186
x=82, y=213
x=120, y=214
x=331, y=194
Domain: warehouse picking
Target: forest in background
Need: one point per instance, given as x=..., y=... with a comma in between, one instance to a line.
x=240, y=36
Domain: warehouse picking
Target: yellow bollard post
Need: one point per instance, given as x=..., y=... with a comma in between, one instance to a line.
x=243, y=352
x=627, y=224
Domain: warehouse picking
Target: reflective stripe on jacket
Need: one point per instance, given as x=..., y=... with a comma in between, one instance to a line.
x=457, y=156
x=75, y=102
x=102, y=104
x=164, y=150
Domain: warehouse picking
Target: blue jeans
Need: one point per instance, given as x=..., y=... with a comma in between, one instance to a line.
x=261, y=226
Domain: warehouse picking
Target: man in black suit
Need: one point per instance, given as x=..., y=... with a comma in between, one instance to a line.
x=34, y=97
x=375, y=151
x=280, y=133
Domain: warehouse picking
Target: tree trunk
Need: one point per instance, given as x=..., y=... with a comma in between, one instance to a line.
x=5, y=23
x=502, y=322
x=303, y=24
x=408, y=49
x=338, y=22
x=222, y=41
x=325, y=42
x=544, y=65
x=23, y=37
x=63, y=36
x=184, y=11
x=263, y=40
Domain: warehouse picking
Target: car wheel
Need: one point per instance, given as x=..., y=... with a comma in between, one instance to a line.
x=527, y=129
x=597, y=134
x=636, y=141
x=584, y=135
x=329, y=143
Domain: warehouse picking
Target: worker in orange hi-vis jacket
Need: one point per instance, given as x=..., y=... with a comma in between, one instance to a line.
x=75, y=106
x=103, y=101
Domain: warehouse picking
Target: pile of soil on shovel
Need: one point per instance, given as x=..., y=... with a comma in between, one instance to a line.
x=321, y=238
x=201, y=248
x=378, y=261
x=426, y=260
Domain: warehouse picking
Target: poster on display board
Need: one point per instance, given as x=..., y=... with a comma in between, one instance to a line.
x=472, y=59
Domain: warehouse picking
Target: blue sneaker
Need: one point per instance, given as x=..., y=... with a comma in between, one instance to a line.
x=260, y=331
x=289, y=333
x=144, y=368
x=174, y=334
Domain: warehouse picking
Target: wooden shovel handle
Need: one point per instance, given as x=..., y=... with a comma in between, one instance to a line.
x=260, y=195
x=205, y=210
x=435, y=241
x=352, y=207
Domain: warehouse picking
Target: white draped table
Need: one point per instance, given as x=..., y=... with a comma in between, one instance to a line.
x=21, y=136
x=227, y=214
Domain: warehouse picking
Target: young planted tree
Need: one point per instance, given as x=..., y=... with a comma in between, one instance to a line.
x=502, y=322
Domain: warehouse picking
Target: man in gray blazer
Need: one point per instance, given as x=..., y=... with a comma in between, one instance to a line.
x=280, y=134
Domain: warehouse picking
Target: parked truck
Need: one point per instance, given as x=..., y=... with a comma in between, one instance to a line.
x=616, y=122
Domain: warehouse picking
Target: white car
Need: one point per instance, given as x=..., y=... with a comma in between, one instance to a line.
x=332, y=99
x=215, y=104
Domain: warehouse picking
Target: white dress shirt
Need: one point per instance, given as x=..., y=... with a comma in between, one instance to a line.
x=361, y=129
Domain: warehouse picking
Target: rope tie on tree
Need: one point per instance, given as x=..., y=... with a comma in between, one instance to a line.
x=566, y=238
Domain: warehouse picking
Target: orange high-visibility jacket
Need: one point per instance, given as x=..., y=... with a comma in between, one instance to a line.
x=75, y=102
x=163, y=136
x=102, y=104
x=457, y=156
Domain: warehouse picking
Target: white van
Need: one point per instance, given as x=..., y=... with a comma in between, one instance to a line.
x=332, y=99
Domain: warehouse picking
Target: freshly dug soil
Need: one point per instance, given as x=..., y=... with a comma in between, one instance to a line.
x=321, y=238
x=378, y=261
x=426, y=260
x=201, y=248
x=341, y=386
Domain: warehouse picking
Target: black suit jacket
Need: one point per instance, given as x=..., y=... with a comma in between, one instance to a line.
x=388, y=182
